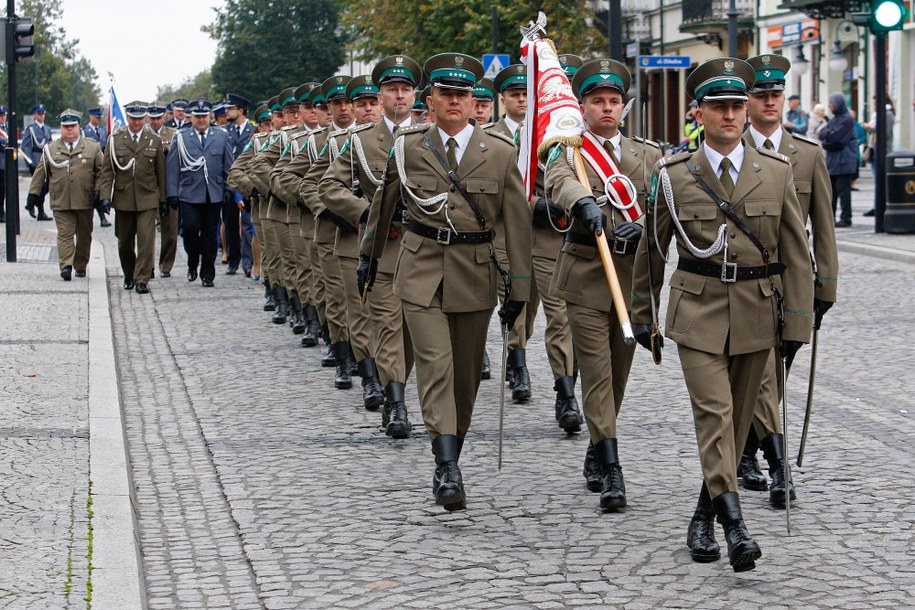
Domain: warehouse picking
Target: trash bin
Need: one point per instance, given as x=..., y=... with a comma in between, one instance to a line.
x=900, y=192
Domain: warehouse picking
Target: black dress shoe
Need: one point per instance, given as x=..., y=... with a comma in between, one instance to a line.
x=247, y=273
x=80, y=273
x=165, y=274
x=43, y=216
x=207, y=282
x=65, y=273
x=486, y=372
x=142, y=288
x=128, y=284
x=232, y=270
x=869, y=213
x=191, y=275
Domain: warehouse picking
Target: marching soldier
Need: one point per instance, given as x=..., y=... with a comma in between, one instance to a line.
x=483, y=96
x=814, y=193
x=347, y=189
x=511, y=83
x=37, y=135
x=743, y=258
x=197, y=165
x=611, y=159
x=133, y=181
x=168, y=216
x=323, y=147
x=447, y=270
x=69, y=170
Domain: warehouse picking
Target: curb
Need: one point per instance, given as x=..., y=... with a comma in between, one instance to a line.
x=893, y=254
x=116, y=576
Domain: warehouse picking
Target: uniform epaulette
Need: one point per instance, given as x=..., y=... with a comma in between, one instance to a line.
x=299, y=134
x=362, y=127
x=120, y=130
x=417, y=128
x=501, y=136
x=801, y=138
x=646, y=141
x=677, y=158
x=774, y=155
x=488, y=125
x=289, y=127
x=319, y=130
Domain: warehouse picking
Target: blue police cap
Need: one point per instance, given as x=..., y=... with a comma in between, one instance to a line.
x=39, y=109
x=236, y=101
x=219, y=110
x=199, y=107
x=94, y=112
x=3, y=109
x=180, y=103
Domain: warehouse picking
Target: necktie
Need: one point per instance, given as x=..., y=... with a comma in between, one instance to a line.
x=70, y=147
x=725, y=178
x=394, y=131
x=612, y=150
x=136, y=138
x=203, y=139
x=768, y=144
x=452, y=155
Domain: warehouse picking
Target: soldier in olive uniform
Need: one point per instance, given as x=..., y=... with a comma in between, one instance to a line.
x=324, y=145
x=69, y=171
x=814, y=193
x=734, y=213
x=579, y=278
x=347, y=188
x=133, y=181
x=168, y=216
x=483, y=96
x=446, y=273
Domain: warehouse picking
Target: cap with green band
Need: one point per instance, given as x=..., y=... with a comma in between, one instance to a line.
x=723, y=78
x=601, y=72
x=397, y=68
x=361, y=86
x=453, y=71
x=334, y=88
x=770, y=72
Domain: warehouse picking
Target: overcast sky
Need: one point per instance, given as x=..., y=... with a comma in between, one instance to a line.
x=144, y=44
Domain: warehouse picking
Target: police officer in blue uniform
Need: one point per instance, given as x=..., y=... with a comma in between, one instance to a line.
x=95, y=131
x=196, y=169
x=239, y=130
x=36, y=136
x=179, y=119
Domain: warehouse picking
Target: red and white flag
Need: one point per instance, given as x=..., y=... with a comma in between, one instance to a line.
x=553, y=113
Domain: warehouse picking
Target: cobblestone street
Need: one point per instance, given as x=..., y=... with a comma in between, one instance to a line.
x=258, y=485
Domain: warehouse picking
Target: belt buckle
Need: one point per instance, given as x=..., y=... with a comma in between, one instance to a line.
x=619, y=245
x=728, y=272
x=443, y=236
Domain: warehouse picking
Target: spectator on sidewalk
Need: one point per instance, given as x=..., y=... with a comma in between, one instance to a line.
x=871, y=128
x=795, y=118
x=840, y=143
x=815, y=121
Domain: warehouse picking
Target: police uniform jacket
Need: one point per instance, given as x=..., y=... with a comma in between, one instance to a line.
x=73, y=175
x=239, y=136
x=465, y=272
x=34, y=140
x=192, y=186
x=141, y=184
x=814, y=194
x=99, y=134
x=704, y=313
x=4, y=142
x=579, y=276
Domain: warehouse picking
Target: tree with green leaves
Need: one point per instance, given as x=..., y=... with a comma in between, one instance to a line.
x=265, y=46
x=57, y=75
x=385, y=27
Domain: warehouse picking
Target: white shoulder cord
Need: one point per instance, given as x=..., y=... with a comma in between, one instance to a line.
x=131, y=165
x=312, y=148
x=46, y=155
x=360, y=154
x=189, y=164
x=425, y=205
x=721, y=242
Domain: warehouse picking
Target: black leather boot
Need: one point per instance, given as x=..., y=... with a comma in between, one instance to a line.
x=613, y=494
x=281, y=298
x=351, y=361
x=342, y=380
x=447, y=484
x=742, y=549
x=298, y=319
x=312, y=327
x=486, y=371
x=700, y=537
x=772, y=450
x=748, y=471
x=567, y=412
x=372, y=392
x=329, y=359
x=394, y=418
x=521, y=379
x=594, y=479
x=269, y=303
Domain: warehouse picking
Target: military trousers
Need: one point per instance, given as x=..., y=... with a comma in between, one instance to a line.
x=334, y=299
x=256, y=220
x=605, y=360
x=307, y=229
x=136, y=233
x=358, y=316
x=272, y=264
x=520, y=333
x=287, y=257
x=557, y=337
x=200, y=228
x=448, y=348
x=74, y=237
x=766, y=419
x=302, y=281
x=393, y=345
x=723, y=390
x=168, y=235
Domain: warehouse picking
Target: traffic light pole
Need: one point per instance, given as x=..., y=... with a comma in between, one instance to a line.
x=12, y=165
x=880, y=139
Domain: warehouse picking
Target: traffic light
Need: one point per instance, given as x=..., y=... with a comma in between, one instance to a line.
x=23, y=43
x=887, y=15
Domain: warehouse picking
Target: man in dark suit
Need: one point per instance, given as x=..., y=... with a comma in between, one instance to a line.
x=94, y=130
x=239, y=130
x=196, y=169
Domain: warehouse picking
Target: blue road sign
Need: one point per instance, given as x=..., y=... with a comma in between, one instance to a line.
x=493, y=63
x=664, y=61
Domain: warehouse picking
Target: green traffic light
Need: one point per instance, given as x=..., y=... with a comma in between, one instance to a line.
x=888, y=14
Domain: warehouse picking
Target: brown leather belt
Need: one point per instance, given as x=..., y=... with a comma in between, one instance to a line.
x=730, y=272
x=447, y=237
x=617, y=245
